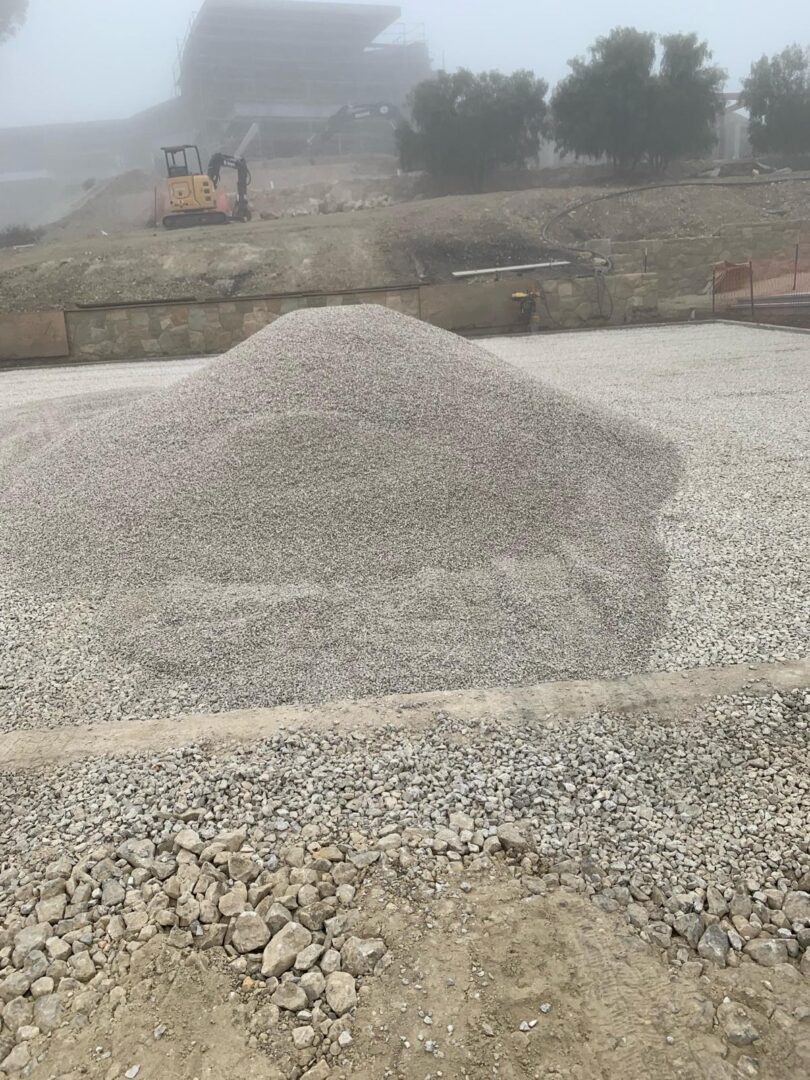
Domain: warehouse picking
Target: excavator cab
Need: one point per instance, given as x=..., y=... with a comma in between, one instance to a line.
x=192, y=192
x=177, y=161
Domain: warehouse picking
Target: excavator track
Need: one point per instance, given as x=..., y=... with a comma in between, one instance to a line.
x=190, y=219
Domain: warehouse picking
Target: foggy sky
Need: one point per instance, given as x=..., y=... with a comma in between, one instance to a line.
x=100, y=59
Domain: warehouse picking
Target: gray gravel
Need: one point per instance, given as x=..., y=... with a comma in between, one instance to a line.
x=350, y=503
x=697, y=831
x=636, y=811
x=735, y=401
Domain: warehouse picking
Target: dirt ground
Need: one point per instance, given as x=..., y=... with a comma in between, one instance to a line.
x=283, y=187
x=469, y=967
x=85, y=261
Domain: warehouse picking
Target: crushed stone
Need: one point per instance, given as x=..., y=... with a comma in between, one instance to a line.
x=350, y=503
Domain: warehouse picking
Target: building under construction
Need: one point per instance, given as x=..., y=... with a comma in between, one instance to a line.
x=287, y=66
x=277, y=68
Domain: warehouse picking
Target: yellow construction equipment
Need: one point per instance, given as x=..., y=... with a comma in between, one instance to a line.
x=193, y=198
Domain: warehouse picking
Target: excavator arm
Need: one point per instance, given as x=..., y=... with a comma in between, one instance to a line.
x=218, y=162
x=350, y=114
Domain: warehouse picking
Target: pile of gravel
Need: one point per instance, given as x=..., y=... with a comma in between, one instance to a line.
x=350, y=503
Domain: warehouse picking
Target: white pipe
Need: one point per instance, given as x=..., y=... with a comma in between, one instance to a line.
x=252, y=132
x=507, y=269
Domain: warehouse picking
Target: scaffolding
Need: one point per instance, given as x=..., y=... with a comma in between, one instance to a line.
x=291, y=64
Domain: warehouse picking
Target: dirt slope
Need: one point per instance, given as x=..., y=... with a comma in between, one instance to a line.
x=390, y=245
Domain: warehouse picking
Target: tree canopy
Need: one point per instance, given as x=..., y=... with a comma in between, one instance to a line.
x=12, y=16
x=626, y=104
x=465, y=125
x=777, y=96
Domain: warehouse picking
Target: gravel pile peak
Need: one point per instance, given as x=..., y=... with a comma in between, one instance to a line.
x=351, y=502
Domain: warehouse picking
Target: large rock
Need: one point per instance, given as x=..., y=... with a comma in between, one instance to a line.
x=768, y=952
x=513, y=840
x=188, y=840
x=32, y=937
x=232, y=841
x=82, y=967
x=359, y=956
x=462, y=822
x=341, y=992
x=52, y=909
x=138, y=853
x=315, y=916
x=235, y=901
x=714, y=945
x=321, y=1071
x=303, y=1037
x=15, y=985
x=18, y=1013
x=112, y=893
x=48, y=1013
x=716, y=902
x=736, y=1024
x=309, y=957
x=250, y=933
x=741, y=903
x=277, y=916
x=690, y=927
x=241, y=867
x=18, y=1059
x=290, y=997
x=797, y=906
x=659, y=933
x=280, y=954
x=313, y=984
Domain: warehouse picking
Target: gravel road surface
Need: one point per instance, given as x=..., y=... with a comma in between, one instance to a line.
x=735, y=401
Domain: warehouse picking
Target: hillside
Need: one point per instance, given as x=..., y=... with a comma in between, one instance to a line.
x=419, y=240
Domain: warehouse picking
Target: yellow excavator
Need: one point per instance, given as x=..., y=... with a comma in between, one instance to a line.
x=193, y=193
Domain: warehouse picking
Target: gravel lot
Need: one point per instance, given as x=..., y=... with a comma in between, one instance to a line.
x=340, y=850
x=732, y=398
x=682, y=802
x=735, y=401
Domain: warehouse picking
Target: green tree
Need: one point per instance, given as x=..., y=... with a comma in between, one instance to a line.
x=685, y=101
x=464, y=125
x=12, y=16
x=621, y=104
x=601, y=108
x=777, y=96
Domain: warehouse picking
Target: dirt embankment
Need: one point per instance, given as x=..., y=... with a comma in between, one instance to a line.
x=387, y=245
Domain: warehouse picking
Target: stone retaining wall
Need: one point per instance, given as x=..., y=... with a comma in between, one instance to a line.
x=210, y=327
x=655, y=279
x=200, y=329
x=684, y=265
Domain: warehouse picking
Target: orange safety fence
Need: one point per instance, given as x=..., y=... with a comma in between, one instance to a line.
x=773, y=281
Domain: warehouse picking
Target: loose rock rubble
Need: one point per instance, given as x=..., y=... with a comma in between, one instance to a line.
x=286, y=924
x=259, y=854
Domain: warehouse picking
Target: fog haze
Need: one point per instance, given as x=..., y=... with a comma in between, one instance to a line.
x=100, y=59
